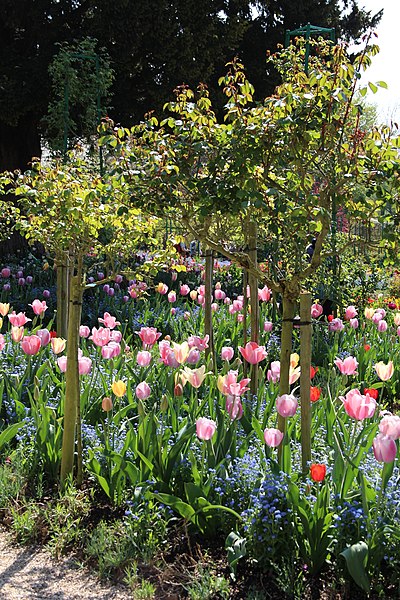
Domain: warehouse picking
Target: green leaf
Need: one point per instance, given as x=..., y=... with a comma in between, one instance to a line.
x=355, y=557
x=10, y=432
x=236, y=549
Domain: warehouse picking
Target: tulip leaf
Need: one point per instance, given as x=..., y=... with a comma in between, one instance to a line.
x=355, y=557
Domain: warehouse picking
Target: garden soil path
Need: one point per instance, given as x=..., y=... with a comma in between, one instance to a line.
x=29, y=572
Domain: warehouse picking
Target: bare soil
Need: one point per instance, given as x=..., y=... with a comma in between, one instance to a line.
x=29, y=572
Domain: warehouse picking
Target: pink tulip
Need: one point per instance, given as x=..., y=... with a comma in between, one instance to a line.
x=109, y=321
x=316, y=311
x=111, y=350
x=382, y=326
x=382, y=311
x=350, y=313
x=184, y=290
x=336, y=325
x=390, y=426
x=31, y=344
x=348, y=366
x=186, y=315
x=264, y=294
x=84, y=331
x=115, y=336
x=205, y=428
x=240, y=318
x=227, y=301
x=274, y=372
x=273, y=437
x=193, y=356
x=268, y=326
x=229, y=385
x=286, y=405
x=171, y=297
x=84, y=365
x=253, y=353
x=174, y=276
x=236, y=306
x=5, y=272
x=196, y=341
x=18, y=320
x=354, y=323
x=234, y=407
x=100, y=336
x=398, y=331
x=39, y=307
x=44, y=336
x=227, y=353
x=143, y=390
x=385, y=449
x=383, y=371
x=62, y=363
x=162, y=288
x=201, y=299
x=219, y=295
x=2, y=342
x=214, y=307
x=143, y=358
x=377, y=316
x=357, y=406
x=149, y=336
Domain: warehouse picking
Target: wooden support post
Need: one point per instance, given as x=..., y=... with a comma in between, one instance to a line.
x=288, y=307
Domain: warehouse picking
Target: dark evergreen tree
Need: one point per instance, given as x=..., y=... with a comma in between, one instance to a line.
x=154, y=46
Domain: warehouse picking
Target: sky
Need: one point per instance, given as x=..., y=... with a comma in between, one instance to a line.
x=385, y=66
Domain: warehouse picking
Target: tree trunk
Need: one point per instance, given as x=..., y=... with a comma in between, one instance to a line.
x=305, y=364
x=254, y=305
x=72, y=390
x=208, y=330
x=62, y=295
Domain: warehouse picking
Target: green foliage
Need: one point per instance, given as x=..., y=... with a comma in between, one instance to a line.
x=139, y=536
x=208, y=585
x=81, y=81
x=285, y=164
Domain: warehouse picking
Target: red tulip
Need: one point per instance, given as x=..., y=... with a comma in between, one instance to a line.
x=315, y=393
x=318, y=472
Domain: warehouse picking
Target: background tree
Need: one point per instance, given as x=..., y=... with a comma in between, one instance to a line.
x=153, y=48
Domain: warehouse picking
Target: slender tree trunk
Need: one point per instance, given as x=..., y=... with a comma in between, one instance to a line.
x=288, y=307
x=208, y=330
x=305, y=364
x=254, y=305
x=62, y=295
x=245, y=311
x=72, y=390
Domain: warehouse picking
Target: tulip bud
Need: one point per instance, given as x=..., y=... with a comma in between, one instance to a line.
x=106, y=404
